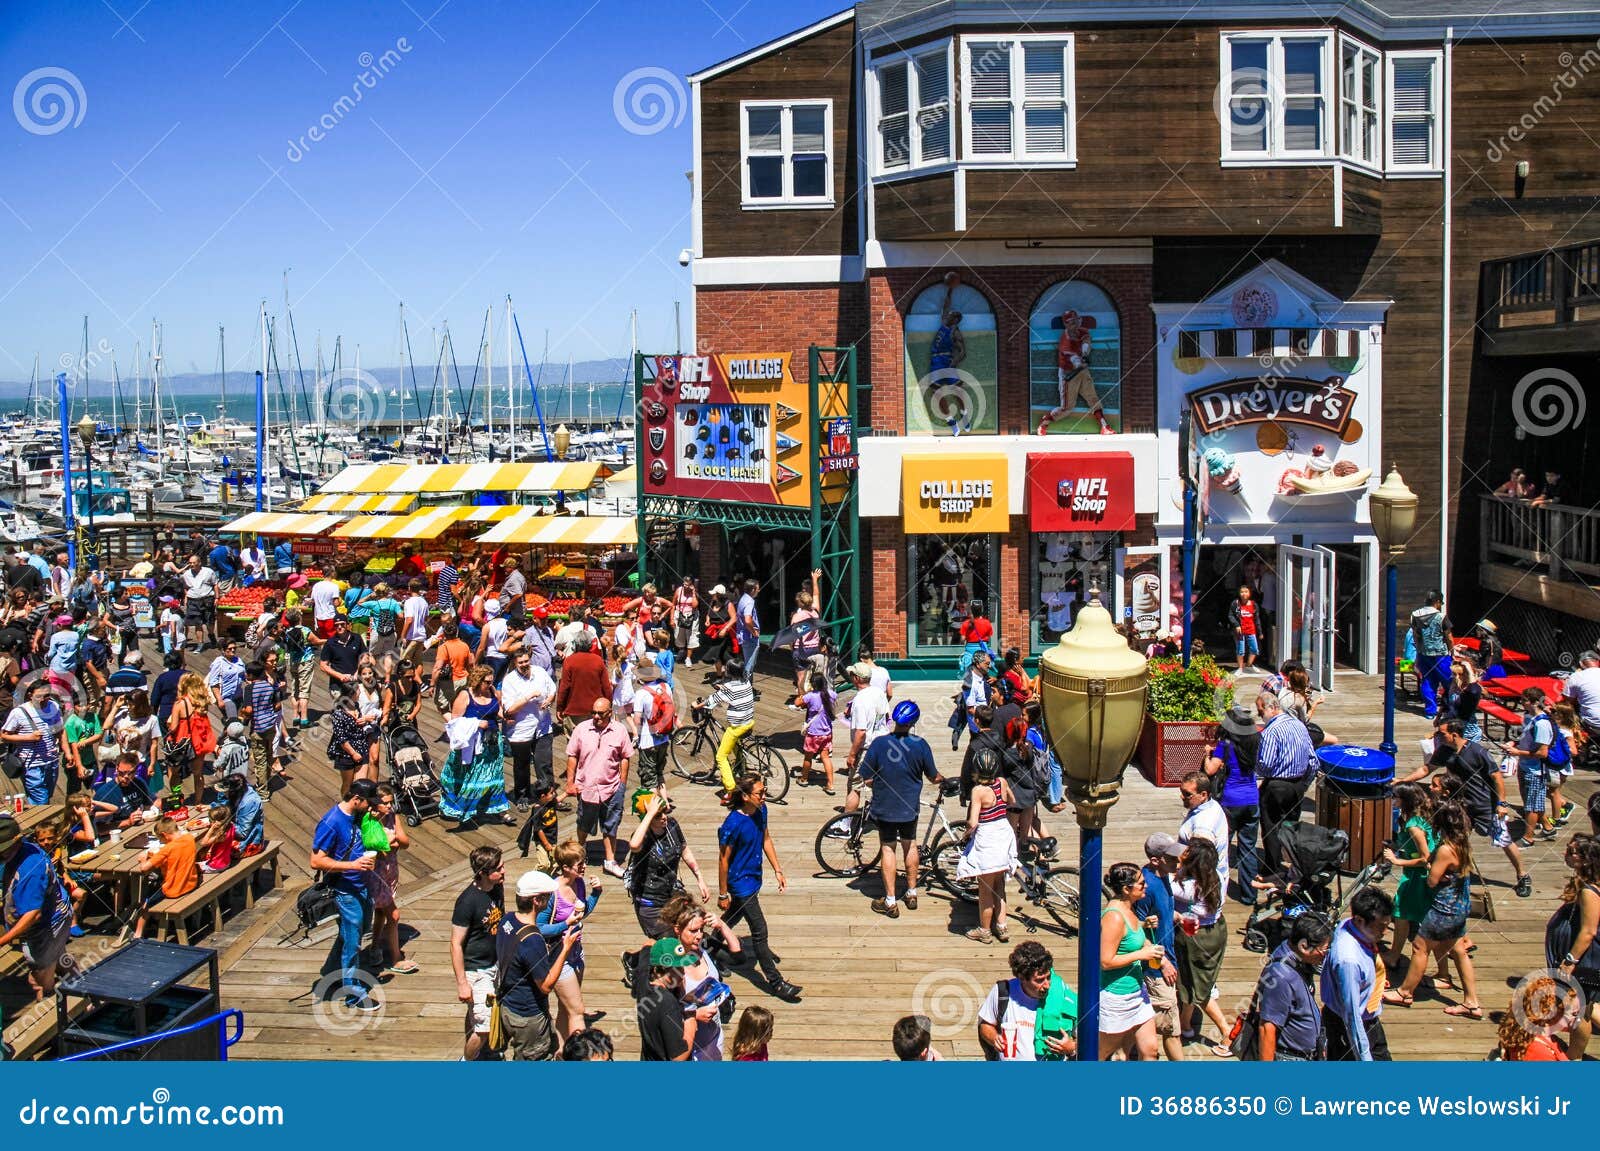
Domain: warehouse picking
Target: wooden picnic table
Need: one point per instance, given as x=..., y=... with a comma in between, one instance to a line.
x=36, y=814
x=1512, y=686
x=116, y=864
x=1510, y=655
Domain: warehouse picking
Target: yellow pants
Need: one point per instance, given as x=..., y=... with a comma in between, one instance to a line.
x=728, y=748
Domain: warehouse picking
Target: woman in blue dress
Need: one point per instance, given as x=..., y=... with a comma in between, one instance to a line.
x=473, y=790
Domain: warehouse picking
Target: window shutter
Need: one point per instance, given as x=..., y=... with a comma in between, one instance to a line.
x=894, y=94
x=933, y=98
x=1045, y=130
x=894, y=118
x=1412, y=124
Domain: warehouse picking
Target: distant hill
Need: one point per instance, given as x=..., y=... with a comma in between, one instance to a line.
x=553, y=376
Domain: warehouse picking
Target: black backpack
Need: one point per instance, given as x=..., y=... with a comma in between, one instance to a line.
x=311, y=907
x=383, y=622
x=1003, y=994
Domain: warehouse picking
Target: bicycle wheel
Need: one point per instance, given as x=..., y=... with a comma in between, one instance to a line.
x=764, y=758
x=686, y=741
x=840, y=846
x=1058, y=895
x=943, y=857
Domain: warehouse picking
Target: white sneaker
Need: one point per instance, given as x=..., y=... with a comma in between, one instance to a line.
x=612, y=867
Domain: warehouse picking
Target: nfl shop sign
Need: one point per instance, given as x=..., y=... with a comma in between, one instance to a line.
x=965, y=492
x=1080, y=492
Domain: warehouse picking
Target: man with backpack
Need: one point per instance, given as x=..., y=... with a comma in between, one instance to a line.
x=653, y=718
x=385, y=617
x=299, y=646
x=1288, y=1023
x=1031, y=1016
x=526, y=694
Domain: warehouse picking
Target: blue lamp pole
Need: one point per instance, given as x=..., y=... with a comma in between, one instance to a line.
x=68, y=513
x=1393, y=507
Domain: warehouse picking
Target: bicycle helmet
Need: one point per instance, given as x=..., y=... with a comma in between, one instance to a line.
x=906, y=713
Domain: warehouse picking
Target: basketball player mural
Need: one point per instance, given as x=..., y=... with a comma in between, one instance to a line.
x=948, y=350
x=1072, y=373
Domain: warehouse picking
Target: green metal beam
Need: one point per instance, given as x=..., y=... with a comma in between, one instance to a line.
x=835, y=523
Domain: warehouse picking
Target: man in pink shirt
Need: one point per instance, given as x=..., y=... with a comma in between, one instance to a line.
x=597, y=770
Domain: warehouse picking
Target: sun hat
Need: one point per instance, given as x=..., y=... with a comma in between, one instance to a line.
x=1487, y=624
x=648, y=672
x=298, y=581
x=491, y=608
x=1160, y=843
x=669, y=952
x=1238, y=721
x=535, y=883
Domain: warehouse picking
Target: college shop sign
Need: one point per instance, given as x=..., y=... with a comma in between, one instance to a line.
x=1265, y=399
x=955, y=492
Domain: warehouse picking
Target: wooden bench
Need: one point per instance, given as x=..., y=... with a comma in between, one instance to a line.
x=1504, y=716
x=209, y=895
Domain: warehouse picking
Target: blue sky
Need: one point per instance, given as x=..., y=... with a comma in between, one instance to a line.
x=483, y=158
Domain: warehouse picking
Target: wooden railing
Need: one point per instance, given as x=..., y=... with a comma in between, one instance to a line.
x=1541, y=289
x=1566, y=540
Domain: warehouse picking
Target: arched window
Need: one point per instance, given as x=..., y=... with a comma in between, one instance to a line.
x=952, y=368
x=1058, y=396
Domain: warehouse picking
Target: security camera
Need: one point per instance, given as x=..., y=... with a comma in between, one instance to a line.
x=684, y=257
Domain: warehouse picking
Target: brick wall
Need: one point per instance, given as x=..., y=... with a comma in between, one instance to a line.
x=884, y=592
x=782, y=318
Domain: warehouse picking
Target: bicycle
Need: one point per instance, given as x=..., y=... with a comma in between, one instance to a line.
x=754, y=753
x=1052, y=886
x=843, y=851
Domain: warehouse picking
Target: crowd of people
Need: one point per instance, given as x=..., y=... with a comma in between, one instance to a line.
x=513, y=687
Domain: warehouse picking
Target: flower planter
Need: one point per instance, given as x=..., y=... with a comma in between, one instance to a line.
x=1170, y=751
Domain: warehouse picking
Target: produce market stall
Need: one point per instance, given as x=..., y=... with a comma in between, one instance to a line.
x=381, y=504
x=282, y=524
x=570, y=558
x=462, y=479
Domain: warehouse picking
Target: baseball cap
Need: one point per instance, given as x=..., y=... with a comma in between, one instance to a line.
x=491, y=607
x=1160, y=843
x=719, y=590
x=669, y=952
x=364, y=789
x=11, y=831
x=536, y=883
x=235, y=730
x=859, y=670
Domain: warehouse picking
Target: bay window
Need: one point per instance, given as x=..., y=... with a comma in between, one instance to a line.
x=913, y=111
x=1360, y=94
x=1018, y=99
x=1278, y=103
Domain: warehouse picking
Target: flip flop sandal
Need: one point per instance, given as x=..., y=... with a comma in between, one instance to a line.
x=1222, y=1051
x=1462, y=1011
x=1398, y=999
x=404, y=967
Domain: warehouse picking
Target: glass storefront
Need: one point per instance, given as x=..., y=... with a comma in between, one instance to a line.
x=1067, y=567
x=949, y=578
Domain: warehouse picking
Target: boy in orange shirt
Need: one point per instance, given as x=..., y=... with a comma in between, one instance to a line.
x=176, y=860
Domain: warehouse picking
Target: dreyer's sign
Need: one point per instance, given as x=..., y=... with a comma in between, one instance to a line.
x=1326, y=405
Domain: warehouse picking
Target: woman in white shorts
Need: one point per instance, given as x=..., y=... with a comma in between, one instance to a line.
x=1127, y=1021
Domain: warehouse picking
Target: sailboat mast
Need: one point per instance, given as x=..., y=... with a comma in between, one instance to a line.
x=222, y=366
x=511, y=384
x=155, y=402
x=488, y=367
x=263, y=421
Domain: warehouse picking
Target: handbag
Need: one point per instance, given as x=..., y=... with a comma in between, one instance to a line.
x=12, y=765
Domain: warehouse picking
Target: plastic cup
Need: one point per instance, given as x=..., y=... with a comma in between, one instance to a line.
x=116, y=835
x=1154, y=962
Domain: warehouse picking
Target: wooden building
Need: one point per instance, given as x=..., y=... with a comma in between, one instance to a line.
x=1281, y=220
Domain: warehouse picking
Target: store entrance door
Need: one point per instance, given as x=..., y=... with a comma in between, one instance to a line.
x=1307, y=596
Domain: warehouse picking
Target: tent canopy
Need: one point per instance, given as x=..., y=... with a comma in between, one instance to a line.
x=386, y=504
x=427, y=524
x=283, y=524
x=463, y=479
x=528, y=527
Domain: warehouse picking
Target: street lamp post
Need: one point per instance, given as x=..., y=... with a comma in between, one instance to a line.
x=1092, y=687
x=86, y=430
x=1394, y=516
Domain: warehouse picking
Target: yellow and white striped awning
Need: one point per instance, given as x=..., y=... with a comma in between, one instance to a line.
x=528, y=527
x=283, y=524
x=625, y=480
x=426, y=524
x=384, y=504
x=444, y=479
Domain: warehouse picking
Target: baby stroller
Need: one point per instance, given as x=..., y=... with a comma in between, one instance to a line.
x=416, y=788
x=1311, y=859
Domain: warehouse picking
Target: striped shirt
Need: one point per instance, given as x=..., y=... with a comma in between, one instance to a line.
x=263, y=700
x=740, y=698
x=1285, y=751
x=448, y=578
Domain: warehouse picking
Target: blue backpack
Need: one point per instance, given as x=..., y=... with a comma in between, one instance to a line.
x=1559, y=753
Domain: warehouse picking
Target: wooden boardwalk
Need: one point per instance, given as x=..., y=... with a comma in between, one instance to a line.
x=860, y=971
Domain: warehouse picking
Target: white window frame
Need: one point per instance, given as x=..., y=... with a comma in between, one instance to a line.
x=1276, y=155
x=1348, y=150
x=788, y=199
x=917, y=164
x=1019, y=156
x=1435, y=164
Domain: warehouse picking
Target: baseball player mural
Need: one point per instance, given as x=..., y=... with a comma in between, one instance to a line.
x=1073, y=379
